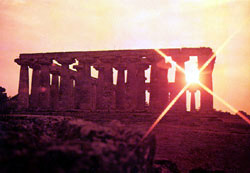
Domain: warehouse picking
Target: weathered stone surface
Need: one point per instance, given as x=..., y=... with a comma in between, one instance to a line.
x=206, y=79
x=141, y=86
x=70, y=89
x=120, y=88
x=66, y=85
x=131, y=85
x=159, y=86
x=35, y=87
x=23, y=90
x=54, y=90
x=44, y=95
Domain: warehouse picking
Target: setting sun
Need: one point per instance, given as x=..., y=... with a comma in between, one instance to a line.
x=192, y=75
x=192, y=71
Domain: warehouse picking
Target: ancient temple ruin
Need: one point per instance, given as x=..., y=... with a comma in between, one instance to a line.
x=56, y=87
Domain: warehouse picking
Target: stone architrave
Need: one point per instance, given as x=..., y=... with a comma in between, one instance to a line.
x=23, y=90
x=44, y=94
x=35, y=86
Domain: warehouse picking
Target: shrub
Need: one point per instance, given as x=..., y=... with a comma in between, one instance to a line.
x=50, y=145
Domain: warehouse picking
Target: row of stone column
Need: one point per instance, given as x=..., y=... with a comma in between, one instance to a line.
x=162, y=92
x=129, y=96
x=87, y=93
x=82, y=92
x=43, y=95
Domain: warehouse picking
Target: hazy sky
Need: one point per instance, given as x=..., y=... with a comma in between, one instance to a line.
x=28, y=26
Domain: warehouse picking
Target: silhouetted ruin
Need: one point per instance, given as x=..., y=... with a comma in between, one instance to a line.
x=58, y=88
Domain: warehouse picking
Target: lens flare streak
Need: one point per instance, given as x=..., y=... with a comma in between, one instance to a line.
x=206, y=88
x=170, y=60
x=222, y=47
x=164, y=112
x=226, y=104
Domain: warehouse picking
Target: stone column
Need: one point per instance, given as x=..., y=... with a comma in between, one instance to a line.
x=108, y=74
x=159, y=97
x=192, y=89
x=192, y=106
x=84, y=84
x=206, y=79
x=206, y=98
x=210, y=86
x=35, y=86
x=23, y=90
x=120, y=87
x=192, y=101
x=79, y=86
x=44, y=95
x=141, y=86
x=65, y=84
x=54, y=90
x=100, y=103
x=131, y=88
x=154, y=85
x=72, y=92
x=93, y=94
x=108, y=90
x=180, y=82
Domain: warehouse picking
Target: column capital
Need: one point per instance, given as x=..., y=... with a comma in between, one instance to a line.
x=78, y=67
x=66, y=61
x=23, y=62
x=163, y=65
x=43, y=61
x=120, y=66
x=99, y=66
x=72, y=75
x=35, y=64
x=54, y=70
x=142, y=66
x=193, y=87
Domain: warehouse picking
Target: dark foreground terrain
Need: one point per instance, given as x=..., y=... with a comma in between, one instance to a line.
x=214, y=142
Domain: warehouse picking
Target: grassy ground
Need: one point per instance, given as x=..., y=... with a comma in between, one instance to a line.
x=216, y=141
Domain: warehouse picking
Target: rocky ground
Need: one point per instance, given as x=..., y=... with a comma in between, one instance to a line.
x=185, y=142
